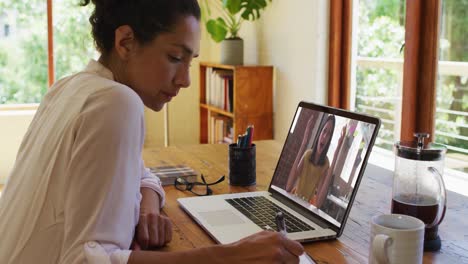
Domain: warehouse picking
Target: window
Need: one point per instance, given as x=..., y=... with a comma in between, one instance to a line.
x=452, y=84
x=6, y=30
x=24, y=49
x=378, y=63
x=394, y=72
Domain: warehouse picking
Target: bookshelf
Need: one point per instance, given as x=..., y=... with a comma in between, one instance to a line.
x=233, y=97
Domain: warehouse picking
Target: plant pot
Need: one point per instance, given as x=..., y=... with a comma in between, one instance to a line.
x=232, y=51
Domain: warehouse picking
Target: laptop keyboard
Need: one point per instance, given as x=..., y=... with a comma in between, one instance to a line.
x=262, y=212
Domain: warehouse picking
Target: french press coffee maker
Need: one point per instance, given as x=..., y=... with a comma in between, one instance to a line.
x=418, y=186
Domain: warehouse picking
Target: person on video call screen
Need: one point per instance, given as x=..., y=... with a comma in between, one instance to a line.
x=313, y=164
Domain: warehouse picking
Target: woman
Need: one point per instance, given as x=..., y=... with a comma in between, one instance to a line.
x=79, y=192
x=314, y=163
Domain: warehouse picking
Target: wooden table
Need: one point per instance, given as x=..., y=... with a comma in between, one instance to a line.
x=374, y=197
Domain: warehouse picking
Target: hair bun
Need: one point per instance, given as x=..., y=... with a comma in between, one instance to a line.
x=95, y=2
x=147, y=18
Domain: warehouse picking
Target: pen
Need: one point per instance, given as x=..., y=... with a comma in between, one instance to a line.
x=239, y=141
x=247, y=135
x=251, y=135
x=280, y=223
x=244, y=140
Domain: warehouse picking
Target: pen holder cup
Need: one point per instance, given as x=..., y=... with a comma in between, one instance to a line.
x=242, y=169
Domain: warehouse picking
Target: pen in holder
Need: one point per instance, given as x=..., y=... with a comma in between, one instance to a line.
x=242, y=168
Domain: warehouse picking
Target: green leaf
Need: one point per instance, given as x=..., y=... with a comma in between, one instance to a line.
x=233, y=6
x=218, y=29
x=251, y=8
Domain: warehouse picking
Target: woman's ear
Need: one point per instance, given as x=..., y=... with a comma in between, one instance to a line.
x=125, y=41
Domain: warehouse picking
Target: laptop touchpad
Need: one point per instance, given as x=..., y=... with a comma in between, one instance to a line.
x=221, y=217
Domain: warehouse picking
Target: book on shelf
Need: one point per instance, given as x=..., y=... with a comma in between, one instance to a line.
x=227, y=140
x=168, y=174
x=220, y=128
x=230, y=94
x=219, y=88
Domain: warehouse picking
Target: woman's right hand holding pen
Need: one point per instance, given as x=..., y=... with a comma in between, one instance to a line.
x=267, y=247
x=264, y=247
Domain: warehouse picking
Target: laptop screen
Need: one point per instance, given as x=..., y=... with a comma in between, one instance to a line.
x=321, y=160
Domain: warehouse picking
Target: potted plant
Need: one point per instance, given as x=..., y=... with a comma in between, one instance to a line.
x=225, y=28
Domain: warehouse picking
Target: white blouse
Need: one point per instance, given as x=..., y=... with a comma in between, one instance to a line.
x=74, y=193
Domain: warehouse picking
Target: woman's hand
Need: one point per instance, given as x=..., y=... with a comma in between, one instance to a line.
x=153, y=230
x=264, y=247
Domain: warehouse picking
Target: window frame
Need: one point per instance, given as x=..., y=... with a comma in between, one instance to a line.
x=339, y=53
x=419, y=70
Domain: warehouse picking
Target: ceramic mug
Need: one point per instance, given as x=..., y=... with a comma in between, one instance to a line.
x=396, y=238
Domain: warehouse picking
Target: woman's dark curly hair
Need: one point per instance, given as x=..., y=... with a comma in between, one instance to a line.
x=147, y=18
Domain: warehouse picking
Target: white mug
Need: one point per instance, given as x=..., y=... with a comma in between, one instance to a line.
x=396, y=238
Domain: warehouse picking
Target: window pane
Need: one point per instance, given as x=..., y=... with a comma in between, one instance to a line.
x=452, y=86
x=23, y=51
x=377, y=79
x=23, y=46
x=73, y=44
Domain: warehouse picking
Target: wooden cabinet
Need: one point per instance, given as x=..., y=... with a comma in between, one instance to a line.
x=238, y=96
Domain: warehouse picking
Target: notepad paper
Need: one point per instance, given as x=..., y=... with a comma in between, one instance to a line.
x=168, y=174
x=305, y=259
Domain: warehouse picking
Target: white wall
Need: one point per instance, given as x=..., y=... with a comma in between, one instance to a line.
x=293, y=37
x=13, y=126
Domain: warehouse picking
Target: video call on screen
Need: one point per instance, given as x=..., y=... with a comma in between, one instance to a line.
x=321, y=160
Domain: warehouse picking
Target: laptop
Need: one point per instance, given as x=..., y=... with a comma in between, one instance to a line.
x=314, y=184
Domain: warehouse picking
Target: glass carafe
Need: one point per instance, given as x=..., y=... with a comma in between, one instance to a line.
x=418, y=186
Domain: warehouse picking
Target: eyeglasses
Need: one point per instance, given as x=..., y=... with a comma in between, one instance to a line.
x=198, y=188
